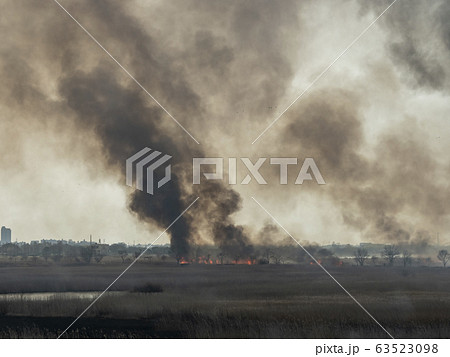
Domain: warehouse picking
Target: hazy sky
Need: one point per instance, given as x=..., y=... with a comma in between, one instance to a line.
x=376, y=124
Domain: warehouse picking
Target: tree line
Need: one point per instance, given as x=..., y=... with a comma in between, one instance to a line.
x=391, y=253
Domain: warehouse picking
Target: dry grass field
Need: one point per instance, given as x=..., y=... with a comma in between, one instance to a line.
x=225, y=301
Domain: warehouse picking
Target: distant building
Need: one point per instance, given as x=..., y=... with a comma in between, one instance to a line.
x=6, y=235
x=53, y=241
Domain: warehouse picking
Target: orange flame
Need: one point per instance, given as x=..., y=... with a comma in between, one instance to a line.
x=207, y=260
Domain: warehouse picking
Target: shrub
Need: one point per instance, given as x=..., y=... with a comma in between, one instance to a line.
x=148, y=288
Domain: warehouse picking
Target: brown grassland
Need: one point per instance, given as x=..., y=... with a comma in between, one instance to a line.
x=226, y=301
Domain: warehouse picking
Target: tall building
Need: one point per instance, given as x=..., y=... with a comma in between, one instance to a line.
x=6, y=235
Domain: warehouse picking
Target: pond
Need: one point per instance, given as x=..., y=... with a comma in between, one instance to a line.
x=44, y=296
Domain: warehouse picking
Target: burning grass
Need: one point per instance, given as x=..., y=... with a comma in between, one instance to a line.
x=211, y=261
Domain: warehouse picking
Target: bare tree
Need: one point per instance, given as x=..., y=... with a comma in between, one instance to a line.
x=361, y=256
x=221, y=256
x=86, y=254
x=390, y=253
x=267, y=254
x=443, y=256
x=46, y=253
x=123, y=254
x=406, y=258
x=98, y=257
x=278, y=259
x=374, y=259
x=56, y=252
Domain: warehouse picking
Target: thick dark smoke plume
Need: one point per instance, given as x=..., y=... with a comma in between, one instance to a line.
x=219, y=204
x=125, y=122
x=98, y=100
x=218, y=66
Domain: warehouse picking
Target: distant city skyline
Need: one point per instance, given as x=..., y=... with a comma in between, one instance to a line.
x=440, y=240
